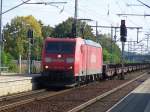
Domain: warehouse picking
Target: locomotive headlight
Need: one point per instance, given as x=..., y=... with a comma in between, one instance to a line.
x=70, y=60
x=46, y=67
x=48, y=59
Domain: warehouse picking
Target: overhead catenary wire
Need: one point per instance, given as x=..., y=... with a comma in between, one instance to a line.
x=15, y=7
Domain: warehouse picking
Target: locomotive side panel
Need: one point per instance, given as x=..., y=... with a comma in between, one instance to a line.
x=94, y=60
x=88, y=58
x=91, y=57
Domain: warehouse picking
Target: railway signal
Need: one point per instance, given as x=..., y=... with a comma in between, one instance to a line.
x=123, y=35
x=123, y=31
x=30, y=33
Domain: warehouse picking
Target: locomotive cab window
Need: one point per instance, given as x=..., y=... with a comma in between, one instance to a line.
x=60, y=47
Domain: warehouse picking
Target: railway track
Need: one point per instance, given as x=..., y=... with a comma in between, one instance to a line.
x=18, y=95
x=66, y=100
x=83, y=107
x=8, y=102
x=12, y=101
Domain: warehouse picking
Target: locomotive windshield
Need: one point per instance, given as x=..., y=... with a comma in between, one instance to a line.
x=60, y=47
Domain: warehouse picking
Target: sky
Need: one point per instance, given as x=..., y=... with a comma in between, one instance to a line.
x=103, y=11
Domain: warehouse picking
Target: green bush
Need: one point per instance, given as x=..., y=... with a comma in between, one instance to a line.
x=13, y=67
x=7, y=62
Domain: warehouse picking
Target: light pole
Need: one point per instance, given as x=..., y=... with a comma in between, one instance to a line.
x=0, y=36
x=75, y=20
x=29, y=56
x=96, y=29
x=76, y=17
x=30, y=37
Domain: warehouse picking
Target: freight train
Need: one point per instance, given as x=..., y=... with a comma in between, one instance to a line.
x=72, y=61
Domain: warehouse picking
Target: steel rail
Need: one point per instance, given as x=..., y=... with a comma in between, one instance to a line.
x=36, y=98
x=90, y=102
x=18, y=95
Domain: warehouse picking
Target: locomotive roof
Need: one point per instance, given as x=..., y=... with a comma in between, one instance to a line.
x=52, y=38
x=88, y=42
x=92, y=43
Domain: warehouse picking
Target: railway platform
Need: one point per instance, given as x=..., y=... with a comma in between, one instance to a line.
x=137, y=101
x=17, y=83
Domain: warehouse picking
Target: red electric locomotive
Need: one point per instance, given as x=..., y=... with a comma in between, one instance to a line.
x=70, y=61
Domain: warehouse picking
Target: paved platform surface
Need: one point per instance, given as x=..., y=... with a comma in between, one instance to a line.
x=10, y=84
x=137, y=101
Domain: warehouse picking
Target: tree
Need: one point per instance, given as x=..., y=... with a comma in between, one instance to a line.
x=105, y=42
x=46, y=30
x=16, y=36
x=31, y=22
x=64, y=29
x=106, y=55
